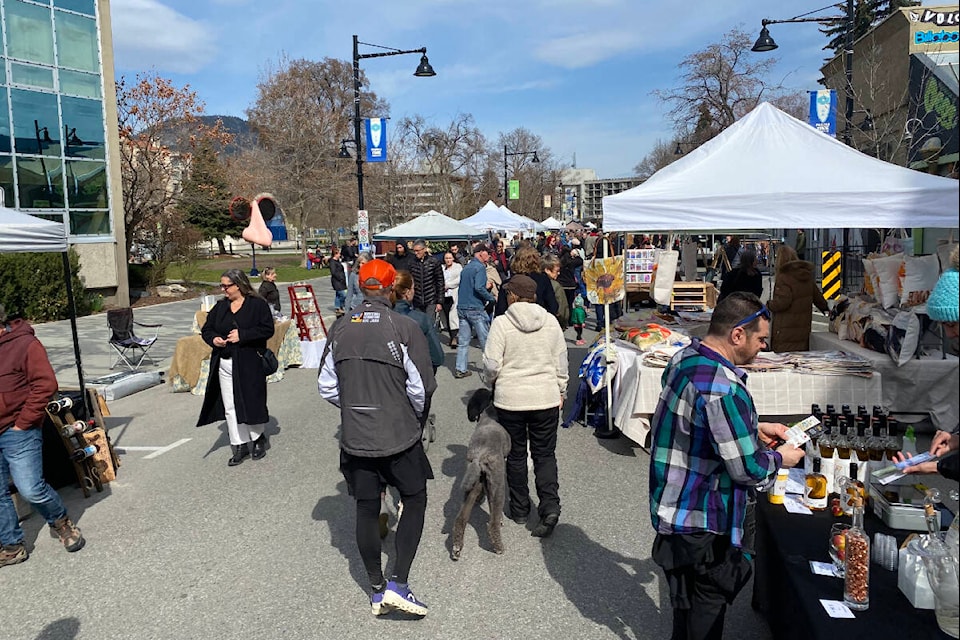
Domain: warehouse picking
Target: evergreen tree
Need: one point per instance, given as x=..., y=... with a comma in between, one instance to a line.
x=205, y=199
x=866, y=13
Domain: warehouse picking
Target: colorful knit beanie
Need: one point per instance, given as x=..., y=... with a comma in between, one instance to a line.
x=943, y=303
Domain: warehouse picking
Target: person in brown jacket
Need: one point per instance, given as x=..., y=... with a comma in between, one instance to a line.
x=27, y=384
x=794, y=295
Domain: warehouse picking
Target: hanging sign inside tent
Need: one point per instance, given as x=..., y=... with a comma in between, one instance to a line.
x=376, y=139
x=513, y=189
x=823, y=111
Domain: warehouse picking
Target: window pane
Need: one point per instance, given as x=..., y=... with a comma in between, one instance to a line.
x=75, y=83
x=6, y=180
x=40, y=183
x=4, y=123
x=31, y=76
x=90, y=223
x=83, y=128
x=36, y=127
x=80, y=6
x=86, y=185
x=76, y=41
x=29, y=32
x=46, y=215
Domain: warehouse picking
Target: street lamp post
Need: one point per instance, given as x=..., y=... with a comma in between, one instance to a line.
x=765, y=43
x=506, y=154
x=424, y=70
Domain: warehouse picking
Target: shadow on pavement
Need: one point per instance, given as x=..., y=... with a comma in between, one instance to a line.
x=603, y=585
x=62, y=629
x=271, y=429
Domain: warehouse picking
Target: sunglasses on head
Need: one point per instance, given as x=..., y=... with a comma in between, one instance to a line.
x=762, y=311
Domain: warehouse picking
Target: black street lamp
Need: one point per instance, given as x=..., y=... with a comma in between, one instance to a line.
x=424, y=70
x=765, y=43
x=506, y=154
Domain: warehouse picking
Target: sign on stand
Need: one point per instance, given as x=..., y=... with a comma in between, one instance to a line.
x=363, y=230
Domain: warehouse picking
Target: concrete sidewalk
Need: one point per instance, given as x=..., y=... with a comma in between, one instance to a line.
x=96, y=354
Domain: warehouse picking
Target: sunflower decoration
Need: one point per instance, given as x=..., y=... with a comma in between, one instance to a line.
x=604, y=279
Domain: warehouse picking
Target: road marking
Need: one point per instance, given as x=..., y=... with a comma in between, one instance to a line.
x=157, y=451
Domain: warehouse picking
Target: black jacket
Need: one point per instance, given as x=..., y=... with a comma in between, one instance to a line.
x=403, y=262
x=269, y=292
x=427, y=282
x=739, y=280
x=338, y=277
x=546, y=298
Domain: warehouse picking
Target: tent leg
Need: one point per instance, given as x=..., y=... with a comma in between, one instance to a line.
x=71, y=301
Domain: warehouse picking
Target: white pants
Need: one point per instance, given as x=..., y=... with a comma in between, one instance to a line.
x=239, y=433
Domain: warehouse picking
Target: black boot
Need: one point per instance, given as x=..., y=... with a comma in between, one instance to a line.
x=453, y=337
x=239, y=453
x=259, y=447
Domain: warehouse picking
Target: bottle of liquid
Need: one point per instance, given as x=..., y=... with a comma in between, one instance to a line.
x=876, y=442
x=909, y=441
x=856, y=562
x=843, y=444
x=73, y=429
x=827, y=452
x=861, y=448
x=893, y=443
x=60, y=404
x=815, y=494
x=811, y=450
x=81, y=454
x=852, y=488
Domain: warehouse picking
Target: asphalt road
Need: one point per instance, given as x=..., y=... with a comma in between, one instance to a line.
x=180, y=546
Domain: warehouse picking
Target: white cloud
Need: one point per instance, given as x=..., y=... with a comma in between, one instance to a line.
x=147, y=34
x=586, y=49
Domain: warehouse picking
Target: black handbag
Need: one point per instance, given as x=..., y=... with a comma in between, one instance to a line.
x=269, y=361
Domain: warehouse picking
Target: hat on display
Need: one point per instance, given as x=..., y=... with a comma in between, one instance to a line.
x=522, y=286
x=379, y=270
x=942, y=305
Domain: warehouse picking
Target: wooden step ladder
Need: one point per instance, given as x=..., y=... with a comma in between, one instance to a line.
x=306, y=312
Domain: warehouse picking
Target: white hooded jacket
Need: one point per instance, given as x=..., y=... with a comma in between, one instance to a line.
x=526, y=357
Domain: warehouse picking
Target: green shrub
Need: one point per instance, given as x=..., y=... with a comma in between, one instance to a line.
x=32, y=286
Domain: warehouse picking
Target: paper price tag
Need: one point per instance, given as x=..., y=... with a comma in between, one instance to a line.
x=836, y=609
x=824, y=569
x=794, y=506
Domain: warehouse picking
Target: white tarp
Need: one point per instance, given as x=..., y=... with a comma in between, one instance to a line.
x=771, y=170
x=490, y=217
x=526, y=223
x=20, y=232
x=431, y=225
x=552, y=223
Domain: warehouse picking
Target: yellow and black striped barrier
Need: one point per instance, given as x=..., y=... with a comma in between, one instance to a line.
x=831, y=269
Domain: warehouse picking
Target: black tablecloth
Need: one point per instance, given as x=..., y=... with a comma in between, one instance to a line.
x=788, y=592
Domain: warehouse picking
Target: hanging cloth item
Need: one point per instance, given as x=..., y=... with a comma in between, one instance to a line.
x=604, y=280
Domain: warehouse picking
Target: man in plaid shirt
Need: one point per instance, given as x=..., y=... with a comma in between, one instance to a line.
x=709, y=451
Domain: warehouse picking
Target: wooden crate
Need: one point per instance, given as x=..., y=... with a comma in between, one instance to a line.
x=693, y=296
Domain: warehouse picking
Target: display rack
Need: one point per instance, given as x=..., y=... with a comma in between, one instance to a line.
x=306, y=312
x=693, y=296
x=99, y=467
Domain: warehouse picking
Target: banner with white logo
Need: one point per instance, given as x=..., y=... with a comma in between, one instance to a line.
x=376, y=139
x=823, y=111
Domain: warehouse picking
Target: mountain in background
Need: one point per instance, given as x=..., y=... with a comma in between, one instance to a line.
x=243, y=135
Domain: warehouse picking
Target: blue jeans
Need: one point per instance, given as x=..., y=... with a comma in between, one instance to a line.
x=471, y=321
x=21, y=460
x=340, y=299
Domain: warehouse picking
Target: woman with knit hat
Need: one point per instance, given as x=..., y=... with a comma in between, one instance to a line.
x=943, y=306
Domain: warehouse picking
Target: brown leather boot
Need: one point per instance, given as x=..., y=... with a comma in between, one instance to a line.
x=69, y=534
x=12, y=554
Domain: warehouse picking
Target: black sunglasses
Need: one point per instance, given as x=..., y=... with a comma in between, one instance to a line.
x=762, y=311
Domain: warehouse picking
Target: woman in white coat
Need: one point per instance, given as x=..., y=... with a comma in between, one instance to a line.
x=451, y=285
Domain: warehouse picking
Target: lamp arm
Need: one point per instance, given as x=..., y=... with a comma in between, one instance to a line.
x=364, y=56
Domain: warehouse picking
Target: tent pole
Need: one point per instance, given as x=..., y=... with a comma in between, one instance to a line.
x=71, y=301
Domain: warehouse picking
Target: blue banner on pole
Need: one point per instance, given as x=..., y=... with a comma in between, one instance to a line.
x=376, y=139
x=823, y=111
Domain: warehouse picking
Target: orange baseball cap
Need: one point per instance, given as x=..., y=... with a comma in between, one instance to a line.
x=379, y=270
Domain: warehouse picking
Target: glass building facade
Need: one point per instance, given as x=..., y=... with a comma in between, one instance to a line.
x=53, y=141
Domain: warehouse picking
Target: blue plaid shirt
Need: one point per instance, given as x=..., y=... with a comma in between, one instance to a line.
x=705, y=454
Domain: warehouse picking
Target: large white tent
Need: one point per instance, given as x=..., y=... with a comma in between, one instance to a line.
x=771, y=170
x=552, y=223
x=431, y=225
x=490, y=217
x=526, y=223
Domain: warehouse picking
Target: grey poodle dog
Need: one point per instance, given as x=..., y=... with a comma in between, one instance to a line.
x=486, y=470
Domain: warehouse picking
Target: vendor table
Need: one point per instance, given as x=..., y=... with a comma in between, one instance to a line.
x=789, y=593
x=775, y=393
x=925, y=385
x=190, y=366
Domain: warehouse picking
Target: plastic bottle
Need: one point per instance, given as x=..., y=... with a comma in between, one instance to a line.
x=909, y=441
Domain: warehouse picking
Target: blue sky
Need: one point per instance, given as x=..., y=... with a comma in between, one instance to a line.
x=578, y=73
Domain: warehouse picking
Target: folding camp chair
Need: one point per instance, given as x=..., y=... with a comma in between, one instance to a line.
x=125, y=342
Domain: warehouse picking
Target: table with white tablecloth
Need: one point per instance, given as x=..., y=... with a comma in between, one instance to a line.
x=775, y=393
x=926, y=385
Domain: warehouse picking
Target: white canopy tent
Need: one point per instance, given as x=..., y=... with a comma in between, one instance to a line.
x=431, y=225
x=490, y=217
x=771, y=170
x=526, y=223
x=22, y=233
x=552, y=223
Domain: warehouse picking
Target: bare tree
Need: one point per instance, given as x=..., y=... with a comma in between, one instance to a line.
x=536, y=178
x=159, y=128
x=662, y=154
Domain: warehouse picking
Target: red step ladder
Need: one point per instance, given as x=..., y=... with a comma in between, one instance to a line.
x=306, y=312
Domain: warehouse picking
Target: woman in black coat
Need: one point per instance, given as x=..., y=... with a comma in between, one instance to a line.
x=746, y=277
x=237, y=328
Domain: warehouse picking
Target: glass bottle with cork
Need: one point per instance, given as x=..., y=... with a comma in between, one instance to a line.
x=826, y=449
x=815, y=493
x=860, y=445
x=876, y=442
x=856, y=562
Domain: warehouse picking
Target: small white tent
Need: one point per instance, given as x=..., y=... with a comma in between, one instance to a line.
x=771, y=170
x=431, y=225
x=552, y=223
x=526, y=224
x=21, y=233
x=490, y=217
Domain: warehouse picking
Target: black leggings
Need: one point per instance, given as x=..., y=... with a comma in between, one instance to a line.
x=409, y=531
